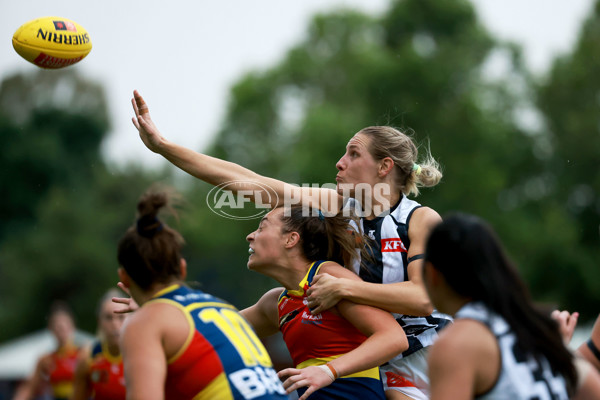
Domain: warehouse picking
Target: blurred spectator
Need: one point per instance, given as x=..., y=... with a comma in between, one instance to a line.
x=99, y=372
x=54, y=372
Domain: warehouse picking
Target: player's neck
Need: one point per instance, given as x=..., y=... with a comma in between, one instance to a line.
x=380, y=204
x=453, y=304
x=142, y=296
x=113, y=349
x=66, y=345
x=291, y=273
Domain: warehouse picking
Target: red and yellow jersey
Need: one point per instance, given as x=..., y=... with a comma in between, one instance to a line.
x=222, y=357
x=106, y=379
x=61, y=371
x=316, y=339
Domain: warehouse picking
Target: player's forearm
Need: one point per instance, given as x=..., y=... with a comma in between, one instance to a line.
x=402, y=297
x=204, y=167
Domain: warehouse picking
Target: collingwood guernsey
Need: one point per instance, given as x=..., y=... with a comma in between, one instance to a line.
x=389, y=251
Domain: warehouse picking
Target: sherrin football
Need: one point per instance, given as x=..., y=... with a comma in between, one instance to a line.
x=52, y=42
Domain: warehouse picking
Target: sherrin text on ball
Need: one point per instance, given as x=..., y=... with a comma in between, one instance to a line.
x=52, y=42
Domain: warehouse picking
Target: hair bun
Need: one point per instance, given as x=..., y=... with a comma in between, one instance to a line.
x=148, y=226
x=151, y=202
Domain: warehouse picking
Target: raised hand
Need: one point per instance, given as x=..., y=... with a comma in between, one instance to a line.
x=149, y=133
x=566, y=323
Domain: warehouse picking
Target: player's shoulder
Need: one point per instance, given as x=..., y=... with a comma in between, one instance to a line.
x=334, y=269
x=465, y=339
x=426, y=215
x=46, y=359
x=270, y=298
x=155, y=312
x=88, y=350
x=422, y=221
x=275, y=292
x=154, y=320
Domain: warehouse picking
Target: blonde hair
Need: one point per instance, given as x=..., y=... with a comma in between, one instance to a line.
x=387, y=141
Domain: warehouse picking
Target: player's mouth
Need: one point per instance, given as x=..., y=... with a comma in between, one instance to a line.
x=250, y=251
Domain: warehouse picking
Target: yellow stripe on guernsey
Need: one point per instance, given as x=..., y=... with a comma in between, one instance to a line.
x=62, y=390
x=186, y=311
x=300, y=291
x=369, y=373
x=111, y=359
x=166, y=290
x=217, y=389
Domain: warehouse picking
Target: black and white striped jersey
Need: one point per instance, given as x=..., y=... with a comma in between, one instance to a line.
x=389, y=249
x=522, y=377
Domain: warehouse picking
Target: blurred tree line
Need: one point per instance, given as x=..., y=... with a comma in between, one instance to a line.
x=517, y=149
x=62, y=208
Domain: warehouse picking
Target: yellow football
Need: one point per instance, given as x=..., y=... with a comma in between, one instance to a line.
x=52, y=42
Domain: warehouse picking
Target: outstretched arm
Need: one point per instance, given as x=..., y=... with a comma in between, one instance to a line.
x=409, y=297
x=216, y=171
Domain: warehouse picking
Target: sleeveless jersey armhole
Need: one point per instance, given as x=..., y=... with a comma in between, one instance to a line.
x=191, y=327
x=408, y=218
x=500, y=369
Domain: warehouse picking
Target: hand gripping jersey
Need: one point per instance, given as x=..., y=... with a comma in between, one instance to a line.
x=522, y=377
x=222, y=357
x=106, y=374
x=317, y=339
x=62, y=371
x=389, y=253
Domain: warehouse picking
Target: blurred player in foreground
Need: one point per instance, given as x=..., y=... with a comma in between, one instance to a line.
x=183, y=343
x=500, y=346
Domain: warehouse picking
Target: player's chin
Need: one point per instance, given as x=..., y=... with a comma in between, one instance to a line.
x=344, y=189
x=254, y=264
x=113, y=338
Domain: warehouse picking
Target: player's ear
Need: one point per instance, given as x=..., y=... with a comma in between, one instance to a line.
x=124, y=277
x=292, y=239
x=183, y=267
x=386, y=166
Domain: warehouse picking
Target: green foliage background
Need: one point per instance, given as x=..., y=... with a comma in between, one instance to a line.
x=421, y=66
